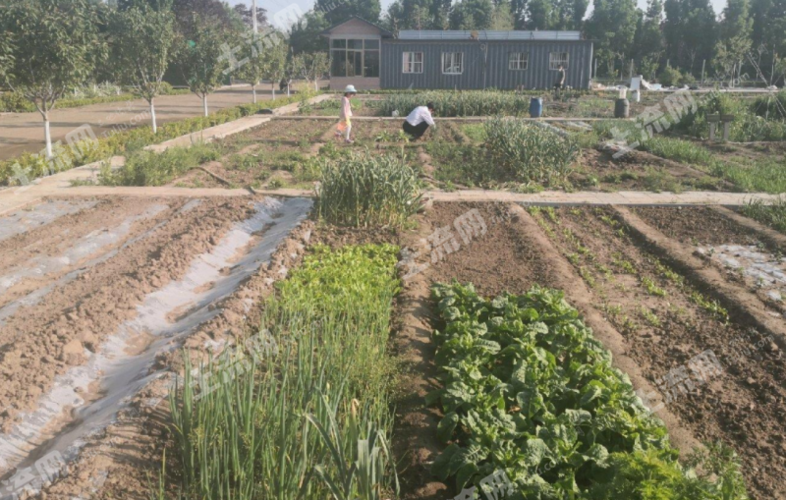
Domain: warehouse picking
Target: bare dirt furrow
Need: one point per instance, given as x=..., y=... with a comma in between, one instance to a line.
x=744, y=306
x=42, y=341
x=121, y=460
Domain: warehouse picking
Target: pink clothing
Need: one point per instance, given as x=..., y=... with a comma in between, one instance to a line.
x=346, y=108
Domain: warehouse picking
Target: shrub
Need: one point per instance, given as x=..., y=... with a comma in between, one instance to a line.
x=672, y=77
x=365, y=189
x=529, y=153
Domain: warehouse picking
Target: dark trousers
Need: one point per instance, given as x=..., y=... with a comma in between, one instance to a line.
x=416, y=131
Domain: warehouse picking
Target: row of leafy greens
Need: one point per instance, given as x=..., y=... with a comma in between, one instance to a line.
x=528, y=390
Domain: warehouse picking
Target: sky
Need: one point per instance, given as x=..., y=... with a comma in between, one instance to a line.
x=287, y=9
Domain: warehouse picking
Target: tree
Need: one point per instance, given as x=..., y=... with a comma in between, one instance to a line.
x=244, y=13
x=275, y=66
x=53, y=46
x=418, y=14
x=648, y=42
x=730, y=55
x=339, y=11
x=690, y=32
x=311, y=67
x=305, y=35
x=471, y=15
x=253, y=60
x=204, y=59
x=142, y=48
x=737, y=20
x=613, y=26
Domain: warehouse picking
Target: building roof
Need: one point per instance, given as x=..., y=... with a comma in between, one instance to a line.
x=383, y=32
x=487, y=35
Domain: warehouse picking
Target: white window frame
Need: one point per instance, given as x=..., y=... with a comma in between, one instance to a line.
x=451, y=57
x=409, y=65
x=518, y=61
x=556, y=58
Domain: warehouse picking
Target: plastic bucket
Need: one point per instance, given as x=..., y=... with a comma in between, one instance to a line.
x=536, y=107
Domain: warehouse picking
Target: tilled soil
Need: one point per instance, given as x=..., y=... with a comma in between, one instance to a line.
x=744, y=253
x=89, y=296
x=271, y=152
x=666, y=323
x=648, y=316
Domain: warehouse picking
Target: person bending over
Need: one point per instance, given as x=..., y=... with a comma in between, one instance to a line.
x=419, y=120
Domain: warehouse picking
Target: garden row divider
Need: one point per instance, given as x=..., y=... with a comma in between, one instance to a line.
x=578, y=295
x=415, y=443
x=740, y=302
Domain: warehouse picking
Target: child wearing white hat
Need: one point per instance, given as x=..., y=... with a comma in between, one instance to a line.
x=345, y=117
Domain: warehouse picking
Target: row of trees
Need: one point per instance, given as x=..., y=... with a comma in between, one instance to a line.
x=681, y=34
x=49, y=47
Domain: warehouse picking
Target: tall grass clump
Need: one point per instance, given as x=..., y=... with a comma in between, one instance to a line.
x=145, y=168
x=747, y=125
x=529, y=153
x=365, y=189
x=773, y=215
x=304, y=413
x=453, y=103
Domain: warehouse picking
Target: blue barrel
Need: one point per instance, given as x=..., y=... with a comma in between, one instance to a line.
x=536, y=107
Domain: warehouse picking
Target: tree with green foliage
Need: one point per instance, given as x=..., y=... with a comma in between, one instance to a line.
x=338, y=11
x=306, y=34
x=142, y=47
x=648, y=42
x=690, y=32
x=418, y=14
x=311, y=66
x=275, y=66
x=471, y=15
x=206, y=57
x=53, y=46
x=613, y=26
x=252, y=65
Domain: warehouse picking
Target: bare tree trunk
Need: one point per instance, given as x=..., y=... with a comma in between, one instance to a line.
x=273, y=86
x=153, y=116
x=204, y=104
x=254, y=92
x=47, y=136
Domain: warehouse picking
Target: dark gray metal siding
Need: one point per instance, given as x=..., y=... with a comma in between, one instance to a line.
x=496, y=73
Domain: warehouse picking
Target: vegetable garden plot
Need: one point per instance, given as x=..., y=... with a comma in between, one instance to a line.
x=668, y=323
x=736, y=250
x=530, y=395
x=40, y=215
x=273, y=155
x=61, y=322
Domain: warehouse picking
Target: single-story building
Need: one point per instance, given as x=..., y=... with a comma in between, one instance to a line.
x=369, y=57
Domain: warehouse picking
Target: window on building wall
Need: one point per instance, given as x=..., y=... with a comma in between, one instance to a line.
x=558, y=58
x=452, y=63
x=518, y=61
x=354, y=58
x=413, y=62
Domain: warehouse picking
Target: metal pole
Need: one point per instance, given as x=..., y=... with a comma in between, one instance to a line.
x=254, y=21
